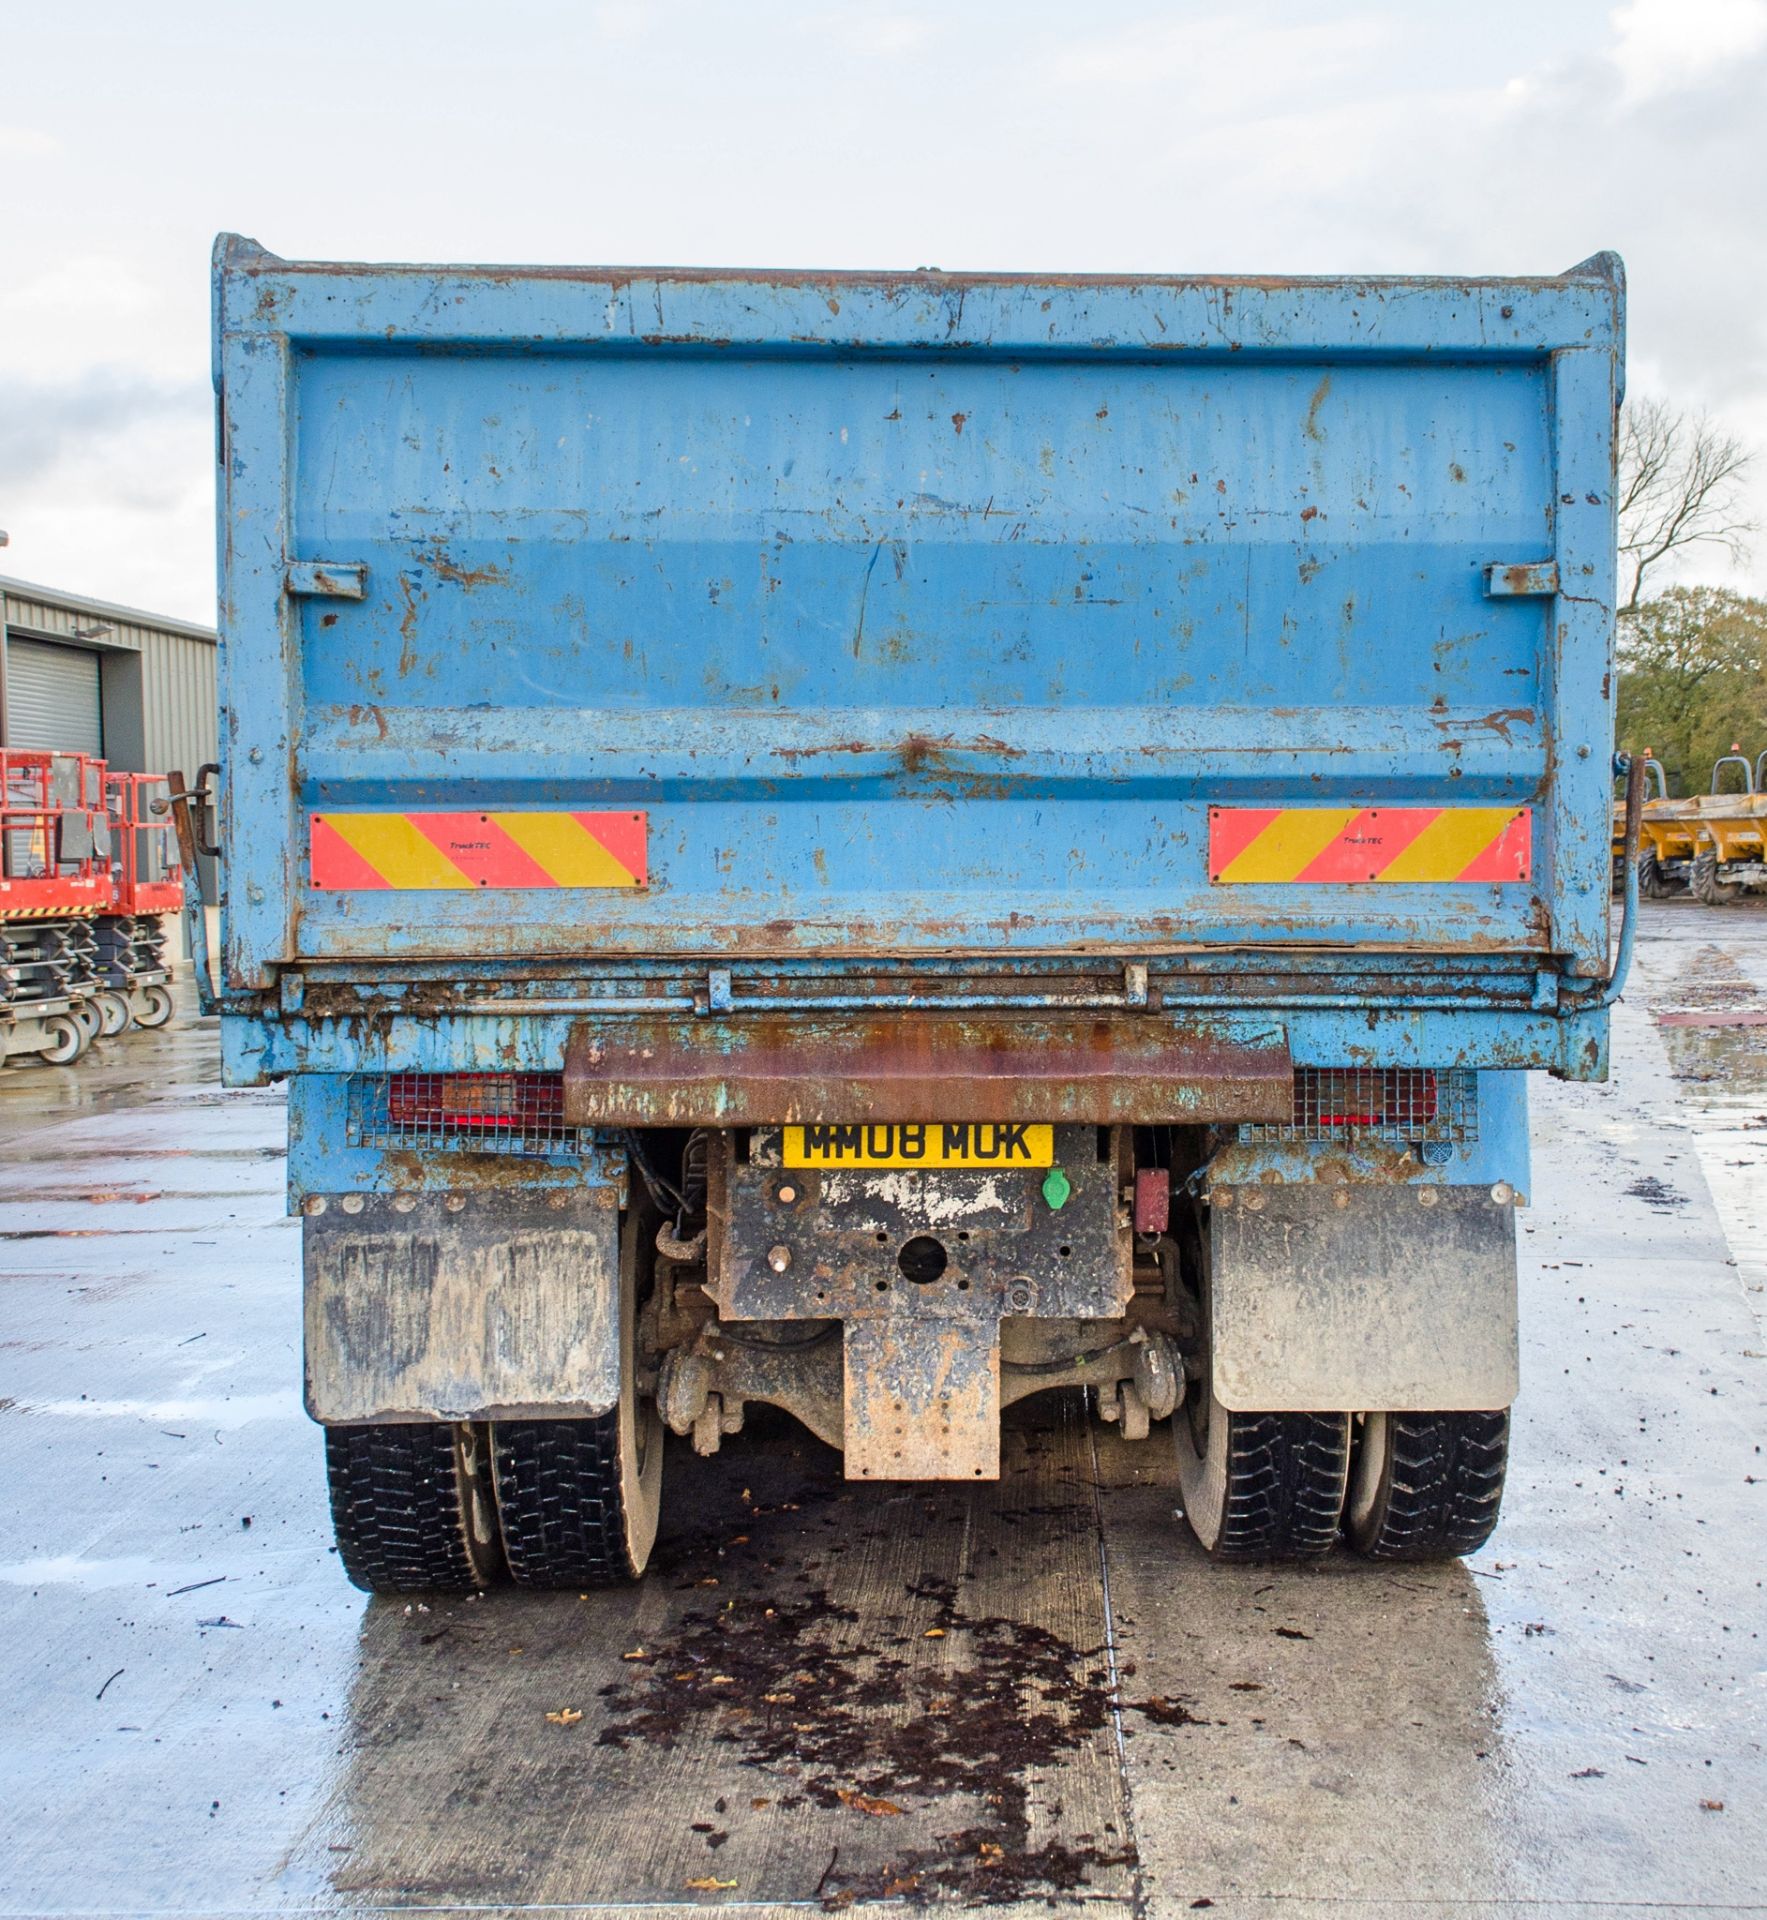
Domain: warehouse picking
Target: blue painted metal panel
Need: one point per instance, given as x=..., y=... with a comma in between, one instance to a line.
x=924, y=615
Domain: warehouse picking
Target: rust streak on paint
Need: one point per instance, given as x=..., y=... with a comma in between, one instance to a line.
x=469, y=577
x=1100, y=1069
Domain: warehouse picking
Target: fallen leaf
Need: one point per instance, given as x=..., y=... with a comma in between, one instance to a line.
x=637, y=1653
x=780, y=1699
x=933, y=1633
x=991, y=1855
x=708, y=1885
x=865, y=1803
x=741, y=1540
x=723, y=1680
x=759, y=1804
x=711, y=1580
x=901, y=1882
x=1589, y=1773
x=565, y=1717
x=1711, y=1806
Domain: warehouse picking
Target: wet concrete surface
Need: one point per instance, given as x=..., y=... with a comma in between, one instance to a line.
x=1027, y=1694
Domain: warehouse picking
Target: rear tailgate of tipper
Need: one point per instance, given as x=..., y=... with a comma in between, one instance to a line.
x=729, y=618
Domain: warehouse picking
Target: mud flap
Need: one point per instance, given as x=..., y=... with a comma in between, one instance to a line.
x=492, y=1306
x=1362, y=1299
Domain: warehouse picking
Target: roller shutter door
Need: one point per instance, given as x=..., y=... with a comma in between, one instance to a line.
x=52, y=697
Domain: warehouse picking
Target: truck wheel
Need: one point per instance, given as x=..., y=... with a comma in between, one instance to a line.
x=113, y=1013
x=89, y=1020
x=579, y=1500
x=154, y=1008
x=412, y=1506
x=1650, y=876
x=64, y=1040
x=1262, y=1486
x=1708, y=889
x=1426, y=1486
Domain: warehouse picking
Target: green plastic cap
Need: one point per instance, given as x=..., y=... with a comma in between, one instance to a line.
x=1057, y=1189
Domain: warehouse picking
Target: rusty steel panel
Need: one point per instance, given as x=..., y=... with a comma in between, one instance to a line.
x=765, y=1069
x=922, y=1337
x=927, y=614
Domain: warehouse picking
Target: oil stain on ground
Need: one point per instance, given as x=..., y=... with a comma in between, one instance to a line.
x=819, y=1694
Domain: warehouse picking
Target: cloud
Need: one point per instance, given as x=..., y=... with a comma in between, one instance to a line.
x=1661, y=46
x=113, y=497
x=29, y=143
x=43, y=425
x=884, y=35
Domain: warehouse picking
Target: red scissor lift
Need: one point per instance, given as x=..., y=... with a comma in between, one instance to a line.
x=147, y=883
x=55, y=879
x=86, y=866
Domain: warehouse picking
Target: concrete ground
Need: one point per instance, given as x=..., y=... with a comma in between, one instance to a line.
x=1033, y=1693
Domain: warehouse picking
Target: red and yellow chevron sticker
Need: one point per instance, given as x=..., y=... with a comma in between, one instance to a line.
x=1251, y=845
x=430, y=852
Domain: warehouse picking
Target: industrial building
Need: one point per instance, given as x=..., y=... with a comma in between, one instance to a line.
x=85, y=676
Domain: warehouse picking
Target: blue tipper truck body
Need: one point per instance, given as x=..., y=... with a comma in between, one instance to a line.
x=881, y=843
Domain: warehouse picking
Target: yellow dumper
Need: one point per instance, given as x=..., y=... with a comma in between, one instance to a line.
x=1730, y=841
x=1668, y=861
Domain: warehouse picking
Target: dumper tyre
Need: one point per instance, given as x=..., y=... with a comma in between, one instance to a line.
x=1262, y=1486
x=64, y=1040
x=1425, y=1486
x=1707, y=888
x=153, y=1007
x=1651, y=885
x=113, y=1014
x=412, y=1506
x=579, y=1500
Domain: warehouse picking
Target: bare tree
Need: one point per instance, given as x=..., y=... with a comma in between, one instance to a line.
x=1681, y=481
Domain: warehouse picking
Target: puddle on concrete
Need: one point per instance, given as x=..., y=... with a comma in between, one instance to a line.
x=1720, y=1072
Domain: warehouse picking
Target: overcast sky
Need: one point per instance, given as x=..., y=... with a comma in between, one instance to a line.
x=1515, y=136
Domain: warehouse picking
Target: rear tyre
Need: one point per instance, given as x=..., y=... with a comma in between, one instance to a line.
x=64, y=1040
x=113, y=1014
x=1257, y=1486
x=1708, y=889
x=1650, y=876
x=412, y=1507
x=579, y=1500
x=154, y=1008
x=1426, y=1486
x=1262, y=1486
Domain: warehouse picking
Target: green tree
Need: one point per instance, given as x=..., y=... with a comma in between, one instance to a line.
x=1693, y=680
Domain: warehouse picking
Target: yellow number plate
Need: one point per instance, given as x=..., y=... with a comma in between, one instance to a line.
x=982, y=1144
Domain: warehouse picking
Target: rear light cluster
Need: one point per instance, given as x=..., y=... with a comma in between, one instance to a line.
x=1401, y=1104
x=488, y=1102
x=1357, y=1099
x=486, y=1112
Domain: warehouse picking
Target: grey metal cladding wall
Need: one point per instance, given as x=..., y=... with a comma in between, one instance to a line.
x=160, y=707
x=178, y=702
